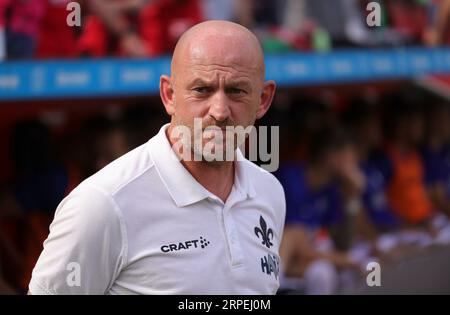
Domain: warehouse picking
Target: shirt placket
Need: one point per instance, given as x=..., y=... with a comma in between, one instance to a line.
x=230, y=230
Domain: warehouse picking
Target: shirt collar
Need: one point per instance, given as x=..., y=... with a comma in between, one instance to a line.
x=181, y=185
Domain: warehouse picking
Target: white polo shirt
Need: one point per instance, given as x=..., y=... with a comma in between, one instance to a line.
x=144, y=225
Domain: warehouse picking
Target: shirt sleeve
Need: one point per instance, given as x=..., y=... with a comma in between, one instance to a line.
x=283, y=211
x=86, y=246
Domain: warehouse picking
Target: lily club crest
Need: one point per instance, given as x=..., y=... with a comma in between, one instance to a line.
x=265, y=233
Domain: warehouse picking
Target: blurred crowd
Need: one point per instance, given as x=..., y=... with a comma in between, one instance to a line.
x=367, y=183
x=148, y=28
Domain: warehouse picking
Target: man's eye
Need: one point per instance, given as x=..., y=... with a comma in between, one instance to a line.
x=202, y=89
x=235, y=91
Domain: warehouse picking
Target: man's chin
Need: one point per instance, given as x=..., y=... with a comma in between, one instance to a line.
x=214, y=155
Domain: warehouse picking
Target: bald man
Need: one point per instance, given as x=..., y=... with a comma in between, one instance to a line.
x=185, y=213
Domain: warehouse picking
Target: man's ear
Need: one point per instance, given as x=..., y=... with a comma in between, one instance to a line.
x=167, y=94
x=268, y=91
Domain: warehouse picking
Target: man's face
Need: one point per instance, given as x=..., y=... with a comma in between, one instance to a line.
x=220, y=90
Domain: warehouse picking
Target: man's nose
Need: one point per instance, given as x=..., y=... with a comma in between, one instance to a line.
x=219, y=108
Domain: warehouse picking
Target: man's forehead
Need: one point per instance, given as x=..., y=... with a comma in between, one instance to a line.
x=212, y=70
x=225, y=52
x=211, y=78
x=224, y=55
x=215, y=67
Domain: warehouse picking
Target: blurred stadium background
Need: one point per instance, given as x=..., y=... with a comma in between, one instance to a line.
x=364, y=116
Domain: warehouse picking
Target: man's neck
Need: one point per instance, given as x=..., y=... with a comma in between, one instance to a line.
x=217, y=177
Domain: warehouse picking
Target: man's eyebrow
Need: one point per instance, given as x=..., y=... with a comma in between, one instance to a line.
x=240, y=83
x=200, y=82
x=232, y=83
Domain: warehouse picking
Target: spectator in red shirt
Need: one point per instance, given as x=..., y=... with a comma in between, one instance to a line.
x=406, y=191
x=23, y=28
x=56, y=38
x=137, y=28
x=3, y=6
x=438, y=30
